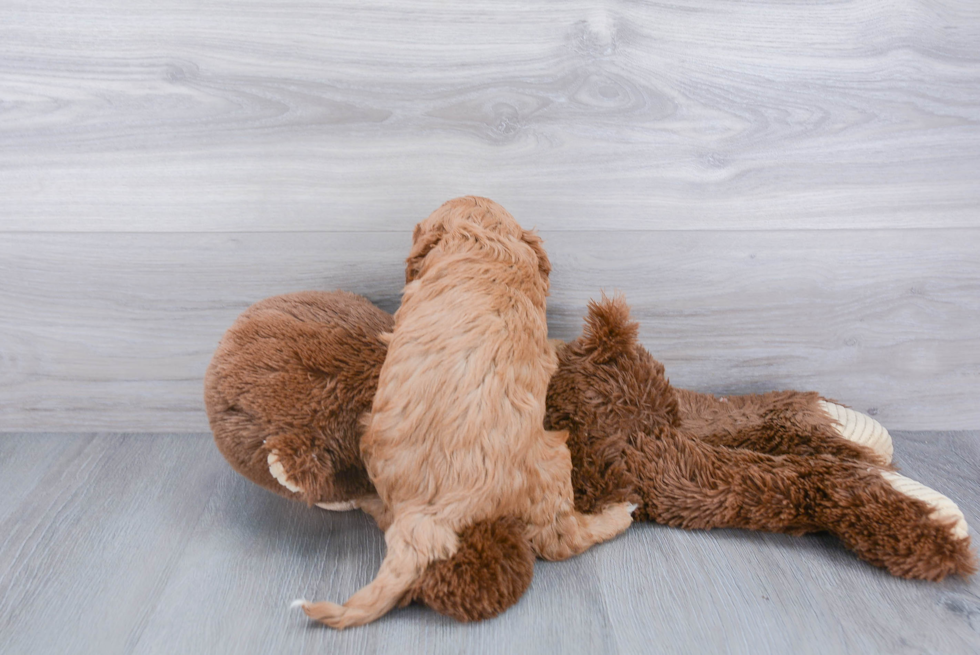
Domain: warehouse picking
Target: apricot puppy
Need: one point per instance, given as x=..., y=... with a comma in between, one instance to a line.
x=455, y=434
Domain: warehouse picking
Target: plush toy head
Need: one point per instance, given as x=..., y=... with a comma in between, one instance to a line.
x=294, y=374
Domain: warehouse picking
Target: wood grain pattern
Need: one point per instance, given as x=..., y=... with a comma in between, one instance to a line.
x=115, y=331
x=151, y=544
x=94, y=541
x=787, y=192
x=305, y=115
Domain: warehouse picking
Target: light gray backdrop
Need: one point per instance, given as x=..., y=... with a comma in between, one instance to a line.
x=788, y=193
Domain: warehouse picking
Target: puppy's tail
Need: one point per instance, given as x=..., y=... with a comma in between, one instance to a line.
x=413, y=543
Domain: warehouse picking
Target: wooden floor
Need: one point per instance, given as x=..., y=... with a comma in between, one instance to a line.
x=143, y=543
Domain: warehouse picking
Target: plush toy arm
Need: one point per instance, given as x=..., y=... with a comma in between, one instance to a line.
x=784, y=422
x=885, y=519
x=302, y=462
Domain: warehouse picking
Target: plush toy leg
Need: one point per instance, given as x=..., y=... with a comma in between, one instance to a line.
x=886, y=520
x=784, y=422
x=302, y=465
x=278, y=471
x=944, y=510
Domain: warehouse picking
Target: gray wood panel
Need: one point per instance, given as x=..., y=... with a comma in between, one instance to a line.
x=151, y=544
x=181, y=116
x=659, y=147
x=114, y=331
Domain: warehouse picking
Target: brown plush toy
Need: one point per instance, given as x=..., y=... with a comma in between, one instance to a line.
x=292, y=376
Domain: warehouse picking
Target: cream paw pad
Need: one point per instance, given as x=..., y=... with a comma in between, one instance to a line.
x=279, y=473
x=944, y=509
x=860, y=429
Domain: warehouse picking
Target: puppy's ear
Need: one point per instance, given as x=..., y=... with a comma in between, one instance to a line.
x=537, y=245
x=422, y=243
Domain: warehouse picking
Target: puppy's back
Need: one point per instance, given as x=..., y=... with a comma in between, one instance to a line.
x=465, y=377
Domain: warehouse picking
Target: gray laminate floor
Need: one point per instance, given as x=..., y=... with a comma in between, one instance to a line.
x=139, y=543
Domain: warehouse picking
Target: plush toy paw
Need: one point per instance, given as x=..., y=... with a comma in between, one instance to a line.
x=860, y=429
x=944, y=509
x=277, y=471
x=344, y=506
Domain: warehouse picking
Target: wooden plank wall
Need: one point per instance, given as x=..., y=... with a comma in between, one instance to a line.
x=788, y=194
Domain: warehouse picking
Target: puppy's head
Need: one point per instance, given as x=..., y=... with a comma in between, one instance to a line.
x=475, y=220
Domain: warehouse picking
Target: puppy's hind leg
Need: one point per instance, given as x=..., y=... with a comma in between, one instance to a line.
x=413, y=542
x=375, y=507
x=573, y=533
x=556, y=531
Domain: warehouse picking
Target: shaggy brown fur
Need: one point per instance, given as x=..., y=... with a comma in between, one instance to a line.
x=629, y=439
x=777, y=423
x=456, y=430
x=768, y=462
x=489, y=572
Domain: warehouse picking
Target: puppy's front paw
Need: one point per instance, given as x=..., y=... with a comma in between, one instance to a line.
x=943, y=509
x=277, y=471
x=860, y=429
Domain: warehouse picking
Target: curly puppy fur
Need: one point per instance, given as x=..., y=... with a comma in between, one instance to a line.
x=455, y=434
